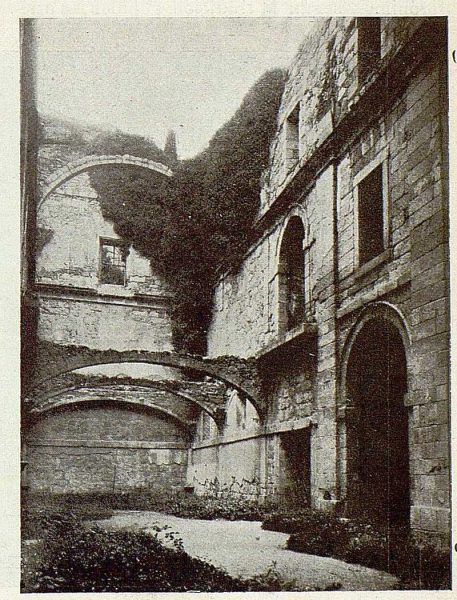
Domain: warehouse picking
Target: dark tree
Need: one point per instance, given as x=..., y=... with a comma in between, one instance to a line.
x=200, y=220
x=171, y=148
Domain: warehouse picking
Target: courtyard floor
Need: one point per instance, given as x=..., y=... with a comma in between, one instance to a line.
x=244, y=549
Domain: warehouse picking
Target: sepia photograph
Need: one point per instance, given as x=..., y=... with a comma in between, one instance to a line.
x=235, y=304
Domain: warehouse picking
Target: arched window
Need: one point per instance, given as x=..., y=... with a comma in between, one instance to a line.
x=292, y=276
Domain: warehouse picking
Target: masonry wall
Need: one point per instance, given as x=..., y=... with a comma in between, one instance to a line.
x=78, y=442
x=217, y=454
x=409, y=279
x=412, y=276
x=299, y=390
x=324, y=78
x=133, y=316
x=105, y=448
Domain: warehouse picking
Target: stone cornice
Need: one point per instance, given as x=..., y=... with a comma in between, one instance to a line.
x=47, y=290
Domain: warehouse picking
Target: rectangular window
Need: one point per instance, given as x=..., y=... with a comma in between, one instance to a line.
x=371, y=215
x=368, y=46
x=113, y=261
x=292, y=138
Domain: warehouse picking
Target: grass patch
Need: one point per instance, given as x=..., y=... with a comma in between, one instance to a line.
x=418, y=564
x=75, y=557
x=40, y=512
x=100, y=505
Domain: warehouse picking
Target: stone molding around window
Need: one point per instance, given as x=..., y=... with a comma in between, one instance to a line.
x=381, y=160
x=113, y=261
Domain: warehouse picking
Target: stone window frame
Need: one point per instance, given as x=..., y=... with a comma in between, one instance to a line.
x=115, y=242
x=292, y=138
x=368, y=58
x=284, y=324
x=383, y=159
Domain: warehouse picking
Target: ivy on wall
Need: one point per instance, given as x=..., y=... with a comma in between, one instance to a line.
x=190, y=225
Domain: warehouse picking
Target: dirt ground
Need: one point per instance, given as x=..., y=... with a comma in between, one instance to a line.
x=244, y=549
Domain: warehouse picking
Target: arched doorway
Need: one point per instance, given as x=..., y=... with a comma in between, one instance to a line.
x=377, y=426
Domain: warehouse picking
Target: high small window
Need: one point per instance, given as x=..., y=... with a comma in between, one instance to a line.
x=113, y=261
x=371, y=216
x=369, y=46
x=292, y=138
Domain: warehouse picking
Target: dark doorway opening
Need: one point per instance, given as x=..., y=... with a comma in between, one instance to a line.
x=377, y=427
x=296, y=467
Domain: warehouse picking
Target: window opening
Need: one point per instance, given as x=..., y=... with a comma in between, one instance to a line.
x=292, y=276
x=371, y=216
x=369, y=46
x=293, y=137
x=113, y=262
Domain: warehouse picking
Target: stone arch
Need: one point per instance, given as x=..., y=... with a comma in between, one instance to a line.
x=375, y=423
x=66, y=402
x=44, y=401
x=291, y=274
x=379, y=310
x=239, y=373
x=296, y=211
x=76, y=167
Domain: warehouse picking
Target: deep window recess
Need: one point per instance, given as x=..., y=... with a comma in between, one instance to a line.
x=292, y=138
x=292, y=277
x=369, y=46
x=113, y=262
x=371, y=216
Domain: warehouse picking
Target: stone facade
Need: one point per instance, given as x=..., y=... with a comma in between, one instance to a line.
x=103, y=447
x=336, y=133
x=331, y=339
x=95, y=438
x=104, y=316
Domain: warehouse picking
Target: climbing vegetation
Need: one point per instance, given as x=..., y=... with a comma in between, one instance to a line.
x=199, y=221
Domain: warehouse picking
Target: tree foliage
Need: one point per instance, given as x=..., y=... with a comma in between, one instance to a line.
x=190, y=225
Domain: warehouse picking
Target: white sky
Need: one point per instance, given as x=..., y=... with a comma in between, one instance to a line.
x=149, y=75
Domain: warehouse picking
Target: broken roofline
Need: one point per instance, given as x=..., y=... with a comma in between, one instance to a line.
x=383, y=91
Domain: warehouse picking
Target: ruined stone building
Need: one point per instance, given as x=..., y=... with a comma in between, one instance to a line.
x=337, y=321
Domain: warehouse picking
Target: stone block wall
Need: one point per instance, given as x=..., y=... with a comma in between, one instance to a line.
x=118, y=437
x=408, y=136
x=324, y=71
x=245, y=308
x=323, y=81
x=411, y=140
x=102, y=316
x=71, y=224
x=231, y=469
x=100, y=447
x=227, y=460
x=246, y=320
x=75, y=306
x=103, y=325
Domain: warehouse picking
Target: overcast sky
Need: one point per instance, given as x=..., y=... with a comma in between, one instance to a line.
x=147, y=76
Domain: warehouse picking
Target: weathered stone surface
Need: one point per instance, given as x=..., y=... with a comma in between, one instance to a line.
x=84, y=449
x=92, y=438
x=394, y=120
x=80, y=165
x=410, y=279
